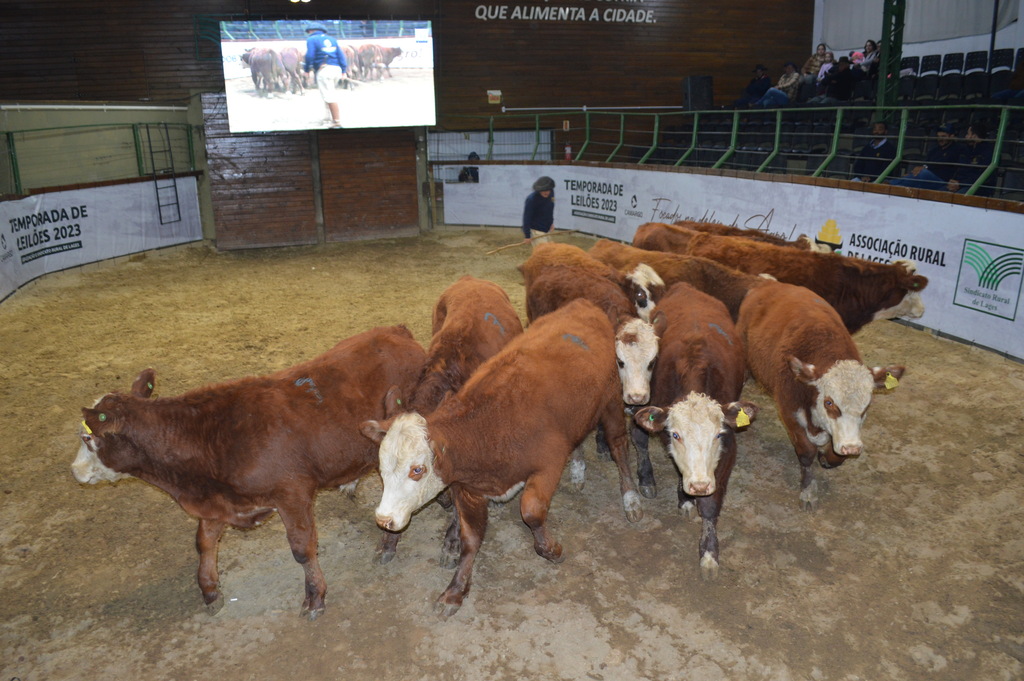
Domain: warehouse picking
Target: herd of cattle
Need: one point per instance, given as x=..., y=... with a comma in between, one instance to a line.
x=283, y=70
x=665, y=330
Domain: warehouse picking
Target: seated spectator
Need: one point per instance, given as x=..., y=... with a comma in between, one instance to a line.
x=868, y=67
x=875, y=156
x=1016, y=89
x=975, y=158
x=809, y=71
x=756, y=88
x=939, y=165
x=470, y=173
x=784, y=91
x=838, y=84
x=826, y=66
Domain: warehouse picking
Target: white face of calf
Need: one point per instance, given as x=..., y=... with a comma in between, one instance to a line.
x=841, y=403
x=636, y=348
x=87, y=467
x=644, y=279
x=407, y=469
x=910, y=306
x=697, y=428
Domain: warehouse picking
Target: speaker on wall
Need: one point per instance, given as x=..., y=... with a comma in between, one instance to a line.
x=698, y=93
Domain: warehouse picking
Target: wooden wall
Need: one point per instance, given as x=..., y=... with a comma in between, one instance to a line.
x=123, y=50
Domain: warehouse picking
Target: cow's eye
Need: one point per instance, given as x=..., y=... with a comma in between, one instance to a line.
x=621, y=364
x=720, y=436
x=828, y=403
x=675, y=436
x=416, y=472
x=650, y=365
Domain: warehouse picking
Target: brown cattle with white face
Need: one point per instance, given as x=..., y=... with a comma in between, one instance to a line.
x=697, y=383
x=512, y=426
x=799, y=350
x=235, y=453
x=861, y=291
x=724, y=283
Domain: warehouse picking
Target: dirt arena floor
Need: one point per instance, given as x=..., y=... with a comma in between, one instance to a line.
x=911, y=567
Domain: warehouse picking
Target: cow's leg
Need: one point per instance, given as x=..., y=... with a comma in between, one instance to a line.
x=615, y=429
x=709, y=507
x=644, y=469
x=472, y=512
x=601, y=440
x=534, y=506
x=687, y=502
x=450, y=549
x=300, y=527
x=805, y=452
x=207, y=538
x=578, y=468
x=388, y=546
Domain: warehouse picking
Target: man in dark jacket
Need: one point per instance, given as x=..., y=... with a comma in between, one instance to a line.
x=875, y=156
x=975, y=158
x=939, y=165
x=756, y=88
x=539, y=212
x=838, y=83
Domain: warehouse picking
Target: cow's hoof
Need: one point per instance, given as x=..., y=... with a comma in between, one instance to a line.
x=311, y=613
x=631, y=504
x=809, y=496
x=649, y=491
x=213, y=607
x=688, y=508
x=708, y=568
x=385, y=557
x=445, y=610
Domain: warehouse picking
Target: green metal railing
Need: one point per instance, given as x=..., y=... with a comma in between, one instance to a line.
x=56, y=156
x=814, y=141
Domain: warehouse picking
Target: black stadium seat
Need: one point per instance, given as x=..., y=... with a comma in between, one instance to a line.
x=976, y=75
x=927, y=83
x=951, y=78
x=1001, y=69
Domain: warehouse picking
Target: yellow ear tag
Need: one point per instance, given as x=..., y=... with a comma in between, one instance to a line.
x=742, y=419
x=87, y=428
x=890, y=381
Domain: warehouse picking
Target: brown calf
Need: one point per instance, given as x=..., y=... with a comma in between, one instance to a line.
x=236, y=452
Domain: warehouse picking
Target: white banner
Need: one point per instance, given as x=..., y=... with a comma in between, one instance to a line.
x=50, y=232
x=973, y=257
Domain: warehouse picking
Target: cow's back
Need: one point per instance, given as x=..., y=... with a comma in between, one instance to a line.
x=554, y=379
x=551, y=254
x=659, y=236
x=555, y=287
x=699, y=342
x=740, y=233
x=709, y=276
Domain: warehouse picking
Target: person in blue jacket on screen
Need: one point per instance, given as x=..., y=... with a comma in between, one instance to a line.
x=325, y=58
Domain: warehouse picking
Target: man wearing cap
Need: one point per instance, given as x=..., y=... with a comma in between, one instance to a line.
x=939, y=165
x=784, y=91
x=539, y=212
x=325, y=58
x=838, y=85
x=756, y=88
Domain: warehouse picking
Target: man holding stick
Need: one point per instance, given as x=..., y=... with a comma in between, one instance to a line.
x=539, y=212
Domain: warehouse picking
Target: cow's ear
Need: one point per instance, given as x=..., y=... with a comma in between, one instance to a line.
x=393, y=402
x=375, y=430
x=651, y=419
x=803, y=372
x=887, y=377
x=101, y=420
x=917, y=282
x=144, y=384
x=660, y=322
x=739, y=414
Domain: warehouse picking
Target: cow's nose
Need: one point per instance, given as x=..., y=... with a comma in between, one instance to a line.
x=851, y=450
x=637, y=398
x=700, y=489
x=386, y=522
